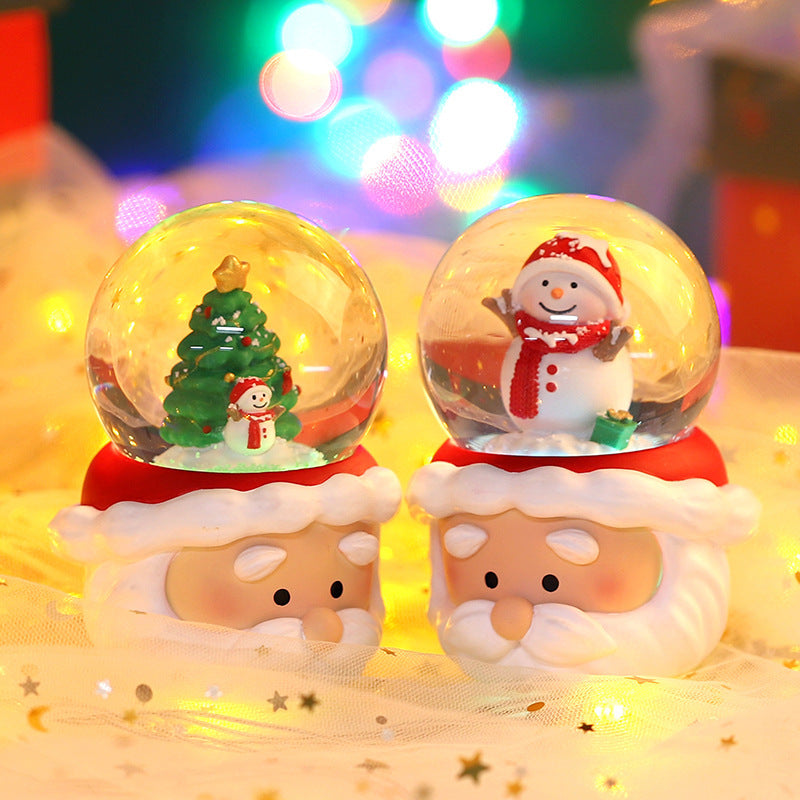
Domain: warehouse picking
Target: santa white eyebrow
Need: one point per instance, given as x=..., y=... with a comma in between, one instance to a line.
x=257, y=562
x=359, y=548
x=574, y=545
x=464, y=540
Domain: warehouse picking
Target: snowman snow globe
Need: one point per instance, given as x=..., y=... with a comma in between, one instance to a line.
x=578, y=518
x=236, y=354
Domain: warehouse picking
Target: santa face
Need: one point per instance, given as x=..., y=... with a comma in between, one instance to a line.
x=310, y=576
x=561, y=298
x=255, y=399
x=570, y=593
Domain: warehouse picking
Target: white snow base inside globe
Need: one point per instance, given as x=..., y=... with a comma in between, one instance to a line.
x=218, y=457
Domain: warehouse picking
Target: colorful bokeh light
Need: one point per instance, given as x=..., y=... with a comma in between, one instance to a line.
x=362, y=12
x=300, y=85
x=318, y=27
x=352, y=130
x=399, y=175
x=137, y=213
x=488, y=58
x=475, y=124
x=458, y=21
x=402, y=81
x=472, y=192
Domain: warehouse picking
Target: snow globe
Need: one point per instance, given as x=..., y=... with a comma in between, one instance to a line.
x=236, y=354
x=578, y=518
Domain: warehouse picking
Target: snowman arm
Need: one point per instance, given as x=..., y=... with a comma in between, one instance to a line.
x=502, y=308
x=615, y=340
x=234, y=413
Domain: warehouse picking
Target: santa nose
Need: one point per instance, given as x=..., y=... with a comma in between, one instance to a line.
x=557, y=293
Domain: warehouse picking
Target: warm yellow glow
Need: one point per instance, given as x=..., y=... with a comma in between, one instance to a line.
x=638, y=336
x=611, y=711
x=58, y=314
x=786, y=434
x=401, y=354
x=301, y=343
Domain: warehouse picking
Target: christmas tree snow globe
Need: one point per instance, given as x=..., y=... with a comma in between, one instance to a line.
x=236, y=354
x=578, y=518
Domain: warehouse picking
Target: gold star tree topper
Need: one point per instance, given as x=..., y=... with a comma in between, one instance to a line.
x=231, y=274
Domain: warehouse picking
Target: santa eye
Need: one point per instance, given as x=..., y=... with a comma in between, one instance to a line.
x=574, y=285
x=545, y=283
x=281, y=597
x=491, y=580
x=550, y=583
x=336, y=589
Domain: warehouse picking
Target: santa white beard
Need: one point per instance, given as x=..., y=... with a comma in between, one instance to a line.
x=668, y=635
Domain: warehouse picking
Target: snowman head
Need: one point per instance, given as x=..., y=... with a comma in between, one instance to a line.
x=571, y=279
x=250, y=395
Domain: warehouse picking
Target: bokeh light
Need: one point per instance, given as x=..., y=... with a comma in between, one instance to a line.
x=351, y=131
x=301, y=85
x=399, y=175
x=318, y=27
x=59, y=313
x=457, y=21
x=362, y=12
x=472, y=192
x=488, y=58
x=137, y=213
x=402, y=81
x=474, y=125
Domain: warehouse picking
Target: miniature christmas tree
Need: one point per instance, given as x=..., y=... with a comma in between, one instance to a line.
x=229, y=341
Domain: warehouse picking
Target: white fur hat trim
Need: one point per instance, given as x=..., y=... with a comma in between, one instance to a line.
x=213, y=517
x=621, y=498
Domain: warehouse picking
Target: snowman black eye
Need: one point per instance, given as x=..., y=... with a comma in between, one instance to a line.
x=574, y=285
x=255, y=397
x=550, y=583
x=281, y=597
x=545, y=283
x=491, y=580
x=336, y=589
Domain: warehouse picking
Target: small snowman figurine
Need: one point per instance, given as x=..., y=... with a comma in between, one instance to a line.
x=251, y=422
x=567, y=362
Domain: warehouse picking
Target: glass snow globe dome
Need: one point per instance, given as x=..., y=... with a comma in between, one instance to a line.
x=236, y=337
x=565, y=325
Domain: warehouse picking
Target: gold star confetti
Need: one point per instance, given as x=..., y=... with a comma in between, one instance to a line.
x=231, y=274
x=130, y=716
x=728, y=741
x=30, y=686
x=423, y=792
x=514, y=788
x=370, y=765
x=278, y=701
x=115, y=297
x=388, y=651
x=537, y=706
x=781, y=458
x=269, y=794
x=586, y=727
x=791, y=663
x=640, y=681
x=472, y=767
x=3, y=582
x=309, y=701
x=262, y=650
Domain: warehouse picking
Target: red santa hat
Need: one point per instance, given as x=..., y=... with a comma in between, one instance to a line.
x=678, y=489
x=243, y=385
x=131, y=510
x=587, y=258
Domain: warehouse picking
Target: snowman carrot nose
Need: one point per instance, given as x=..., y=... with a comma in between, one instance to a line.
x=557, y=293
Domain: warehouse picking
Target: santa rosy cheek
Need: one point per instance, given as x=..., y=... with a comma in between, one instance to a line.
x=613, y=592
